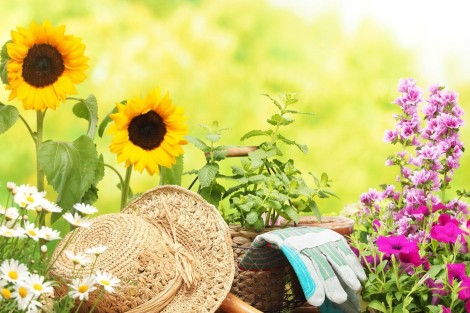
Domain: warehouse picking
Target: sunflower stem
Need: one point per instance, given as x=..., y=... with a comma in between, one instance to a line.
x=125, y=187
x=39, y=124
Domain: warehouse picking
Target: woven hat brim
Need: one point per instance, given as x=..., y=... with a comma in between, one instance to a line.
x=201, y=230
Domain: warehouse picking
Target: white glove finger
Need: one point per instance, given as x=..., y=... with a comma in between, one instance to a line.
x=318, y=296
x=327, y=276
x=351, y=258
x=340, y=265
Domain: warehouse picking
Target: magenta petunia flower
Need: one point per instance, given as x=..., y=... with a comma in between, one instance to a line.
x=412, y=258
x=464, y=292
x=447, y=233
x=456, y=271
x=446, y=310
x=396, y=244
x=467, y=306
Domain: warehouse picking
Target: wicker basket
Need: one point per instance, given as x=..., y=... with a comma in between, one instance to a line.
x=274, y=290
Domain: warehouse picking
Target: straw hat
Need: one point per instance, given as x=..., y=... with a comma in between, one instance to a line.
x=170, y=249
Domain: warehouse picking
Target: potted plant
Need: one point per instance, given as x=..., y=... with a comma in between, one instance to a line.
x=264, y=190
x=413, y=238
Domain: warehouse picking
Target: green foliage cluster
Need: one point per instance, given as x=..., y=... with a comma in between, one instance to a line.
x=72, y=168
x=266, y=185
x=347, y=79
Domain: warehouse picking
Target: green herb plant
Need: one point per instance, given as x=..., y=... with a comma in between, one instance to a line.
x=265, y=187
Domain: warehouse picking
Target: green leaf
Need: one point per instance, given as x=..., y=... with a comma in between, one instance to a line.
x=259, y=224
x=376, y=305
x=107, y=119
x=237, y=170
x=291, y=213
x=252, y=217
x=91, y=195
x=212, y=194
x=434, y=270
x=172, y=175
x=207, y=174
x=213, y=137
x=70, y=167
x=8, y=117
x=220, y=153
x=278, y=119
x=88, y=110
x=198, y=143
x=276, y=103
x=434, y=309
x=3, y=63
x=255, y=133
x=301, y=147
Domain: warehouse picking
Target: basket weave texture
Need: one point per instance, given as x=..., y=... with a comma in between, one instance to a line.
x=274, y=290
x=170, y=248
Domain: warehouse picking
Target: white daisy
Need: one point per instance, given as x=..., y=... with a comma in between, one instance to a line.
x=77, y=259
x=28, y=197
x=48, y=233
x=50, y=207
x=96, y=250
x=107, y=280
x=31, y=230
x=82, y=287
x=10, y=214
x=76, y=220
x=38, y=286
x=8, y=232
x=24, y=296
x=13, y=271
x=85, y=208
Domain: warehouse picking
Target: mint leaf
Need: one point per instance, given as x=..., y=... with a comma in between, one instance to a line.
x=207, y=174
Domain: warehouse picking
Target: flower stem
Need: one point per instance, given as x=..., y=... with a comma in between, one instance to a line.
x=125, y=187
x=100, y=295
x=40, y=123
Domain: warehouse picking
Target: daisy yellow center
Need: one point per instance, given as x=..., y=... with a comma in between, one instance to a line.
x=13, y=275
x=32, y=232
x=104, y=282
x=147, y=130
x=83, y=288
x=43, y=65
x=23, y=292
x=37, y=287
x=30, y=198
x=6, y=293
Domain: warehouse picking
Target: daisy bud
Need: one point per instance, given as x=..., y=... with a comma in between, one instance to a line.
x=43, y=248
x=11, y=187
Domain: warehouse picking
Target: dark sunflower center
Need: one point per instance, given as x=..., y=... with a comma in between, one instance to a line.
x=147, y=130
x=42, y=66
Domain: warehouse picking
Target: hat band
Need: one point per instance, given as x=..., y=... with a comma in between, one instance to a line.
x=184, y=273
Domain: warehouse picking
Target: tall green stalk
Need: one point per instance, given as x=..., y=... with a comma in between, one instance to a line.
x=38, y=141
x=125, y=187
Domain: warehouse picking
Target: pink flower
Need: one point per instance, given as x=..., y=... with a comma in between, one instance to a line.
x=396, y=244
x=464, y=292
x=456, y=271
x=447, y=233
x=412, y=258
x=446, y=310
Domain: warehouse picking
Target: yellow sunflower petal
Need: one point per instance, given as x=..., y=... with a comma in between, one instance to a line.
x=146, y=149
x=51, y=86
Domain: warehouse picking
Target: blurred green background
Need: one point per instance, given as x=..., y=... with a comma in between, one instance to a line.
x=215, y=58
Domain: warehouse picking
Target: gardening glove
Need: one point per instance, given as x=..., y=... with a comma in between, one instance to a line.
x=317, y=256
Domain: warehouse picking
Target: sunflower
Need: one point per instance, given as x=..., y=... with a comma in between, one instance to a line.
x=148, y=132
x=44, y=65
